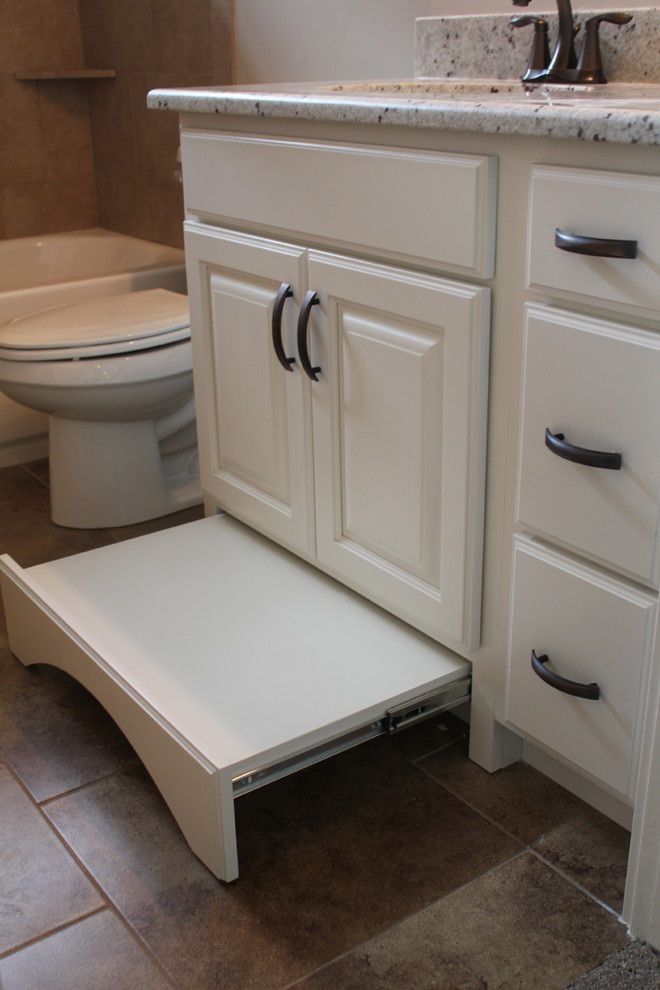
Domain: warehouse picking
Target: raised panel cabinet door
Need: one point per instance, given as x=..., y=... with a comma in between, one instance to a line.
x=399, y=415
x=253, y=415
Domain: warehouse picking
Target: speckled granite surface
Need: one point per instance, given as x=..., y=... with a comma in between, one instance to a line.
x=553, y=115
x=489, y=47
x=484, y=48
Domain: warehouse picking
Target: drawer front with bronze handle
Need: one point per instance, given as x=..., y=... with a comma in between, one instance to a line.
x=595, y=236
x=589, y=469
x=577, y=661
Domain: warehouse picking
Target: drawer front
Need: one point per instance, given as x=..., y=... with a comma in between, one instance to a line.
x=602, y=205
x=594, y=630
x=418, y=205
x=598, y=384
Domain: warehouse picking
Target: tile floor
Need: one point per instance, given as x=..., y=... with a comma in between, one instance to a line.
x=397, y=865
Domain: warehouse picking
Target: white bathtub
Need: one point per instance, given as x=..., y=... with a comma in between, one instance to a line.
x=57, y=269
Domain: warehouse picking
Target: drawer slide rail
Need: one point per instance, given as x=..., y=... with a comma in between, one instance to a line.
x=394, y=720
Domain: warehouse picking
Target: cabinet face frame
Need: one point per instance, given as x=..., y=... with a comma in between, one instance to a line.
x=275, y=495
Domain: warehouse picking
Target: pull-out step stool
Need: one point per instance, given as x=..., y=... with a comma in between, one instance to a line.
x=226, y=661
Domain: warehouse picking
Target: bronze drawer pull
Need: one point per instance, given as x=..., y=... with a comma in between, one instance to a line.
x=595, y=247
x=589, y=691
x=557, y=443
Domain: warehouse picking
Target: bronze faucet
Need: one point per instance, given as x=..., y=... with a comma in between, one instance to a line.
x=564, y=66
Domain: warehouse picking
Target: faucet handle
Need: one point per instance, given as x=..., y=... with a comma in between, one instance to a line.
x=539, y=58
x=590, y=64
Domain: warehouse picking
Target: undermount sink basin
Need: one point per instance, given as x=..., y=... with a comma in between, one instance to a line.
x=621, y=95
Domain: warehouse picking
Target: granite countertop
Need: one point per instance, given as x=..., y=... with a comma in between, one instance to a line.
x=488, y=53
x=619, y=112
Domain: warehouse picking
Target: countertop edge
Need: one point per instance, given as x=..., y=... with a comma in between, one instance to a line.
x=612, y=125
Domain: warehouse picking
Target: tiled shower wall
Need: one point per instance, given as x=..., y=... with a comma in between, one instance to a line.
x=74, y=154
x=150, y=43
x=46, y=164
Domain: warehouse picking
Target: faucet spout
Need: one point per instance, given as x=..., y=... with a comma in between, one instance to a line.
x=563, y=56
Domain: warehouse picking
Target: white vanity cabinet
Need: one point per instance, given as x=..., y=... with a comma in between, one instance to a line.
x=370, y=463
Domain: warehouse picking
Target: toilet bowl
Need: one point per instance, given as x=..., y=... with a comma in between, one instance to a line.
x=114, y=375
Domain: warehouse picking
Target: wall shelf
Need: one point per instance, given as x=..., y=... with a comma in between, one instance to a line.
x=29, y=75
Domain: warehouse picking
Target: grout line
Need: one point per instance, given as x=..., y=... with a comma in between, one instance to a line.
x=109, y=902
x=482, y=814
x=408, y=917
x=432, y=752
x=143, y=946
x=52, y=931
x=35, y=476
x=74, y=790
x=530, y=848
x=577, y=885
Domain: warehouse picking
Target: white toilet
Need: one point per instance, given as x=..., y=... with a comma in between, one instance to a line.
x=114, y=374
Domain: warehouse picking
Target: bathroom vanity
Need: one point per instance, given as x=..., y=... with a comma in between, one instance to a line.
x=426, y=363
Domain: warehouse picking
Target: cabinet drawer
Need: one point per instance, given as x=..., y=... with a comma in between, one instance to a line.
x=593, y=629
x=602, y=205
x=597, y=384
x=417, y=205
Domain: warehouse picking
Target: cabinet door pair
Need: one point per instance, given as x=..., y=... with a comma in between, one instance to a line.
x=375, y=471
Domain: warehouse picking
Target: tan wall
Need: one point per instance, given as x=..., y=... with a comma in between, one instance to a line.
x=150, y=43
x=280, y=40
x=46, y=166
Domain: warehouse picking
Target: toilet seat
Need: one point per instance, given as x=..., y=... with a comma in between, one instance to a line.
x=98, y=327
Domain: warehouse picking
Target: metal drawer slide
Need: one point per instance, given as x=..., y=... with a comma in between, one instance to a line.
x=394, y=721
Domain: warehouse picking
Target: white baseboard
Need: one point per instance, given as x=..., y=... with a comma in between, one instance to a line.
x=21, y=451
x=619, y=810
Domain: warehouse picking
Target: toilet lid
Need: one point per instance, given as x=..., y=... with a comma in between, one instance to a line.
x=103, y=325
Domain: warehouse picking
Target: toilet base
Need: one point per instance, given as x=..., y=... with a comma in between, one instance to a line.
x=116, y=474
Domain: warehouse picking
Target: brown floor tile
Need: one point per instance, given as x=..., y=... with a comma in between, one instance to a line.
x=41, y=887
x=329, y=857
x=593, y=850
x=520, y=927
x=96, y=952
x=39, y=470
x=26, y=532
x=579, y=840
x=53, y=734
x=119, y=533
x=430, y=736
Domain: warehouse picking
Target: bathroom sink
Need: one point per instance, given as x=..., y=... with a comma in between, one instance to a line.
x=620, y=95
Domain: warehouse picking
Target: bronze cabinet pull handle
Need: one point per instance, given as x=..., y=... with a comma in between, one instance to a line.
x=284, y=292
x=594, y=247
x=591, y=692
x=557, y=443
x=311, y=299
